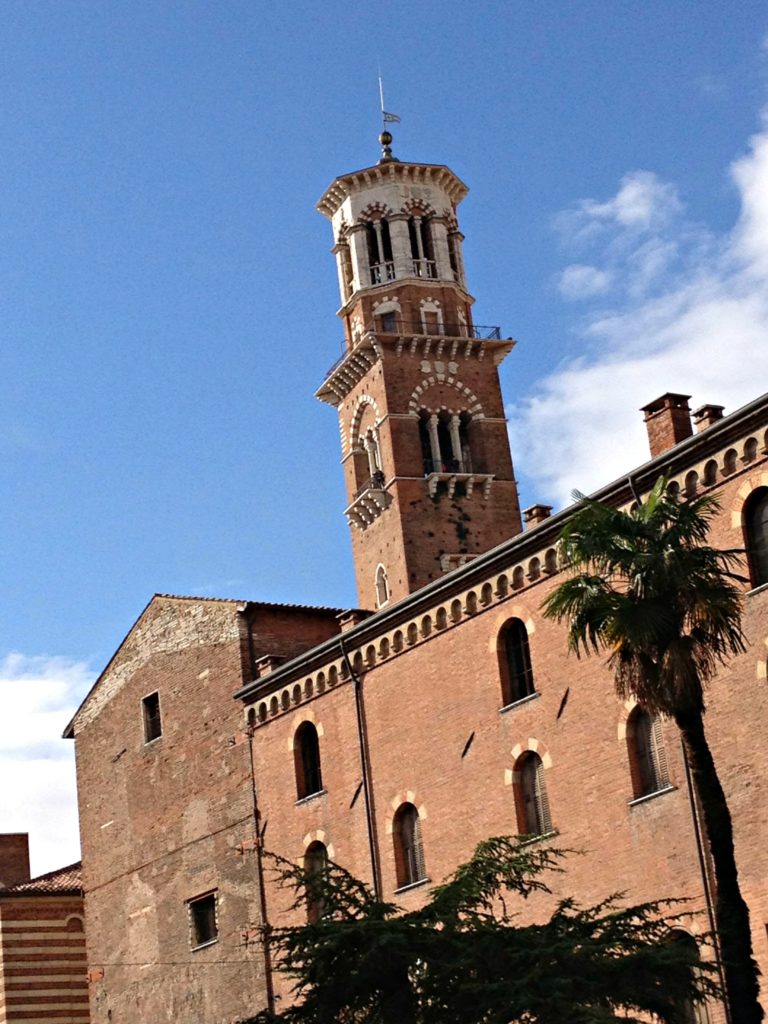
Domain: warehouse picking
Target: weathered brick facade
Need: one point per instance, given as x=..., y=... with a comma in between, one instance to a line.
x=162, y=821
x=405, y=704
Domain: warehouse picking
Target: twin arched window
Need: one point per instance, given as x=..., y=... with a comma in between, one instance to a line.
x=409, y=851
x=514, y=662
x=444, y=440
x=647, y=757
x=306, y=758
x=756, y=530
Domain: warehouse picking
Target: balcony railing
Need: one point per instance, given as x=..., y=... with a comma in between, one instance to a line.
x=382, y=272
x=447, y=466
x=373, y=483
x=424, y=268
x=394, y=325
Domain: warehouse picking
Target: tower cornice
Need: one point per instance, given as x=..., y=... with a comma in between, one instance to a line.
x=354, y=364
x=346, y=185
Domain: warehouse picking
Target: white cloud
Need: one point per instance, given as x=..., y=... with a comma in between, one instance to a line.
x=580, y=281
x=38, y=696
x=643, y=203
x=690, y=314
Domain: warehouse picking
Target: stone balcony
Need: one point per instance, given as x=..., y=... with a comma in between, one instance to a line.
x=368, y=503
x=468, y=481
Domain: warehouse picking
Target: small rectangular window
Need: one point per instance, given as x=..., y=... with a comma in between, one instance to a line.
x=202, y=914
x=153, y=726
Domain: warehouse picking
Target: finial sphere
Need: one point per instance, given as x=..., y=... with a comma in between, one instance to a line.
x=385, y=138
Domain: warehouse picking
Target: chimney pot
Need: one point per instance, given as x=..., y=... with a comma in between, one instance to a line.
x=668, y=421
x=706, y=415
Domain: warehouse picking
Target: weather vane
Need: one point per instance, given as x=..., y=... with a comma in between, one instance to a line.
x=386, y=118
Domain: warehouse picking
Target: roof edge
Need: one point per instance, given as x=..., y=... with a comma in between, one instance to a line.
x=484, y=563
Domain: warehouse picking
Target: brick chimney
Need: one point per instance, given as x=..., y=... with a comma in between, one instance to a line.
x=350, y=618
x=706, y=415
x=668, y=421
x=267, y=663
x=14, y=858
x=536, y=514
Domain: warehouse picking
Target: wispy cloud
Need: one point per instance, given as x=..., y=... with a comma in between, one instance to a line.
x=580, y=281
x=681, y=309
x=38, y=696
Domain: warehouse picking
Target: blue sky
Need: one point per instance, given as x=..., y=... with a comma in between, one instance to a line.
x=167, y=293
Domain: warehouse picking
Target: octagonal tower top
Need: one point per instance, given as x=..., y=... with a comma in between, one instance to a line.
x=398, y=246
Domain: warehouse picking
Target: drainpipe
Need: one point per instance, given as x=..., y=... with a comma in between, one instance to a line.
x=365, y=769
x=260, y=877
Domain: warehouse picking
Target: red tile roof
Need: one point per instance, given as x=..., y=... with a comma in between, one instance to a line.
x=60, y=882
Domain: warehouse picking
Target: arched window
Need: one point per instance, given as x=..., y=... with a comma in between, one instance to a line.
x=382, y=587
x=315, y=871
x=420, y=235
x=444, y=440
x=453, y=254
x=409, y=851
x=647, y=758
x=306, y=756
x=756, y=531
x=514, y=662
x=533, y=817
x=692, y=1013
x=380, y=251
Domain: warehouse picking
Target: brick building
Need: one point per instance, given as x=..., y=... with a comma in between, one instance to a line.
x=42, y=941
x=392, y=738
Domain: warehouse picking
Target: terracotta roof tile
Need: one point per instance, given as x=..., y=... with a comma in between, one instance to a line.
x=63, y=880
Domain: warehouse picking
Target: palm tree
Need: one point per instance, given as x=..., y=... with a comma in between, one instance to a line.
x=646, y=588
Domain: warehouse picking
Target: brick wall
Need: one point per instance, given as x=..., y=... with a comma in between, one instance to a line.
x=424, y=703
x=42, y=960
x=161, y=821
x=14, y=858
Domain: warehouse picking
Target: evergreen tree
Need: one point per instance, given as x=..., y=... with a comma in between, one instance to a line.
x=464, y=959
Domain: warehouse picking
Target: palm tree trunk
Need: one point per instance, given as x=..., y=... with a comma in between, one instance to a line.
x=731, y=913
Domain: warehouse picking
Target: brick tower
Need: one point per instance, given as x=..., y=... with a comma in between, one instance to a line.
x=424, y=440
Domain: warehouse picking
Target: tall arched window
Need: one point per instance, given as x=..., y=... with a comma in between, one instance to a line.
x=533, y=817
x=306, y=756
x=756, y=531
x=315, y=870
x=409, y=851
x=444, y=440
x=514, y=662
x=692, y=1013
x=380, y=251
x=422, y=253
x=647, y=758
x=382, y=587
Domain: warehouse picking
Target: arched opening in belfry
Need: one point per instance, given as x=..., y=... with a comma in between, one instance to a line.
x=366, y=450
x=380, y=251
x=422, y=246
x=444, y=438
x=345, y=264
